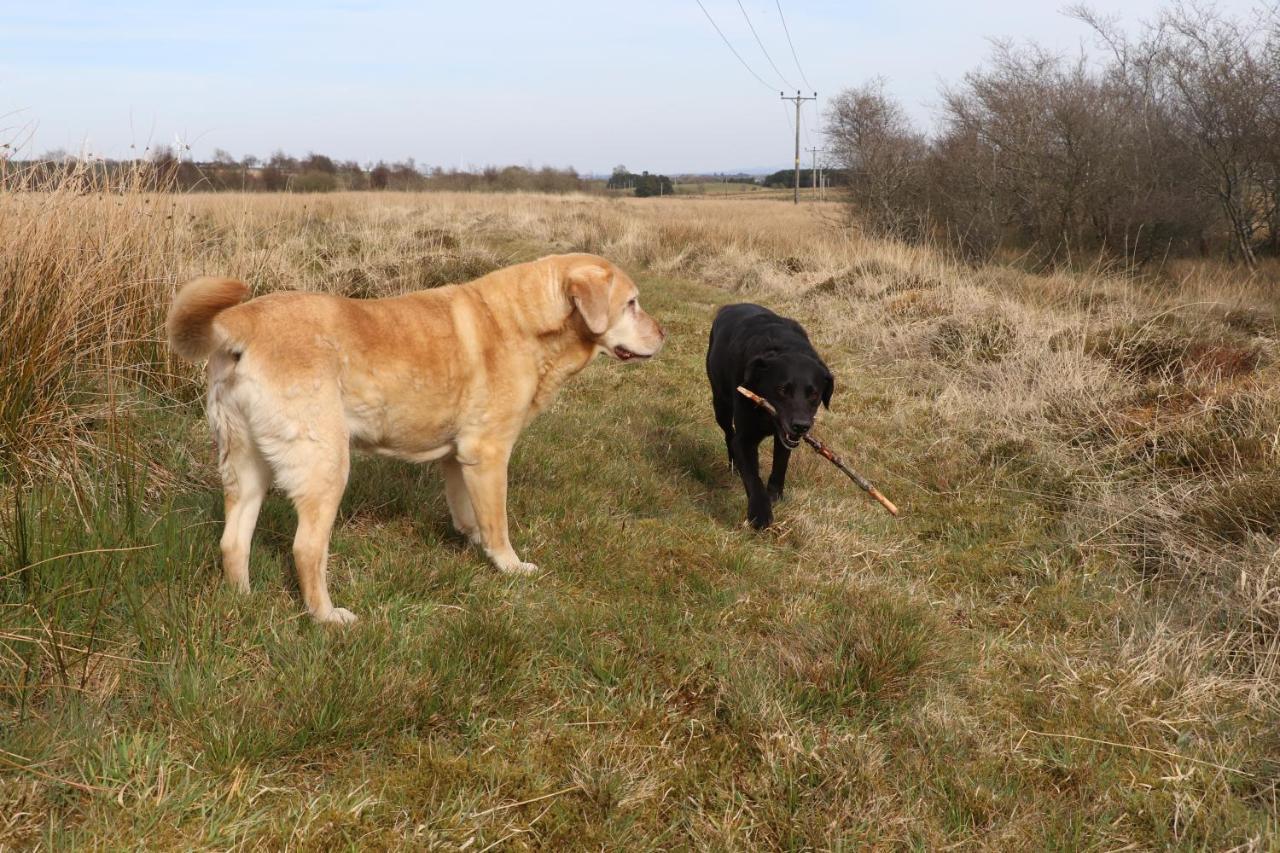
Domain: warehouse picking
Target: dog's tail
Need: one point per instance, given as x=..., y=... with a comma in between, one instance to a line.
x=190, y=320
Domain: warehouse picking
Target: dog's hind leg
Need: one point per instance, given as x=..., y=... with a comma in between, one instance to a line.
x=311, y=555
x=245, y=481
x=314, y=473
x=246, y=477
x=461, y=512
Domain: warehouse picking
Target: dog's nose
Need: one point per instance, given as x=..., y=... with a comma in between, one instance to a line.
x=801, y=428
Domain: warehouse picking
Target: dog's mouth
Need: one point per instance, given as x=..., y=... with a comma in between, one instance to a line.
x=623, y=354
x=789, y=440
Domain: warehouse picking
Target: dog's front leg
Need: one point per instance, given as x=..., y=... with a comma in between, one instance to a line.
x=778, y=476
x=485, y=477
x=461, y=512
x=746, y=457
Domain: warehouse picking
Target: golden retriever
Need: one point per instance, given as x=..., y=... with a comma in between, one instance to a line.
x=450, y=374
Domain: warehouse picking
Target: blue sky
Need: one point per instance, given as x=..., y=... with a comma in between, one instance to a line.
x=560, y=82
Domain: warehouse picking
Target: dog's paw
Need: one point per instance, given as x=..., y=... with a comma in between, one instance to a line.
x=335, y=616
x=519, y=568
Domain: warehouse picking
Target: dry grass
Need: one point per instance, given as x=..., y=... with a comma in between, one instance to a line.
x=1074, y=635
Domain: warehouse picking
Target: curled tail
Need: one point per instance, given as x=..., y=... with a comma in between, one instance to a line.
x=198, y=302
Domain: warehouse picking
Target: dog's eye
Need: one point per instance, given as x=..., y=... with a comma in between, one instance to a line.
x=786, y=390
x=633, y=303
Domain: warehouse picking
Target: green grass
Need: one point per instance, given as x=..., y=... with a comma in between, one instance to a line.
x=670, y=680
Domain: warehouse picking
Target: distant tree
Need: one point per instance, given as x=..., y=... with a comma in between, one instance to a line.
x=651, y=185
x=275, y=174
x=319, y=163
x=621, y=179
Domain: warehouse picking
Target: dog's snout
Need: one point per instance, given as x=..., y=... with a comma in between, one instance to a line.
x=801, y=427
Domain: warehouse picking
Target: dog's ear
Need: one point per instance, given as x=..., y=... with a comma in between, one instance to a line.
x=589, y=287
x=757, y=366
x=828, y=388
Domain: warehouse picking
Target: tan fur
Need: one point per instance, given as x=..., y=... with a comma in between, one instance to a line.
x=450, y=374
x=190, y=321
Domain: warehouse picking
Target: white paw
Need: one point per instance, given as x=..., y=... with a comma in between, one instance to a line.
x=519, y=568
x=472, y=533
x=335, y=616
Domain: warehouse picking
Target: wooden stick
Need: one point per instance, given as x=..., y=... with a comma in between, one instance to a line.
x=825, y=452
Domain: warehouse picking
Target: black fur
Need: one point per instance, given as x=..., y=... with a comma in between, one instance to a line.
x=770, y=355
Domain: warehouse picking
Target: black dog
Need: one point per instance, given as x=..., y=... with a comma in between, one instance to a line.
x=770, y=355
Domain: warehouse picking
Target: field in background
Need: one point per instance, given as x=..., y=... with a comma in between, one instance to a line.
x=1071, y=638
x=718, y=188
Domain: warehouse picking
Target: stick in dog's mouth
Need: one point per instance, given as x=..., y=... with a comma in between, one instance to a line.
x=822, y=450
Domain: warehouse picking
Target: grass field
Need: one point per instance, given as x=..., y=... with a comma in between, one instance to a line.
x=1070, y=640
x=718, y=188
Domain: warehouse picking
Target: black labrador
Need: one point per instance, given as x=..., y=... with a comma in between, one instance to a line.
x=770, y=355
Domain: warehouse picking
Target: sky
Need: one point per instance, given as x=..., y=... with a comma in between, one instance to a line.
x=467, y=84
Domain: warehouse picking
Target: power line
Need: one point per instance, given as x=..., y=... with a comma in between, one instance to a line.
x=729, y=45
x=751, y=27
x=778, y=3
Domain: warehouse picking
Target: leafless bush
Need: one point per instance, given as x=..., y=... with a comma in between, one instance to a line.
x=883, y=157
x=1168, y=144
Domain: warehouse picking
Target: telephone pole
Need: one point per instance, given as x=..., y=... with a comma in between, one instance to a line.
x=798, y=99
x=813, y=171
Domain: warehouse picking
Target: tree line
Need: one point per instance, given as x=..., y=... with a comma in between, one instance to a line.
x=164, y=169
x=1165, y=141
x=786, y=178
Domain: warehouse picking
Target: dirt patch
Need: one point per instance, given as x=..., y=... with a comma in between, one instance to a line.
x=874, y=279
x=1171, y=349
x=438, y=237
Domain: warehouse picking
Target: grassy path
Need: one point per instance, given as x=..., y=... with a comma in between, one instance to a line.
x=670, y=680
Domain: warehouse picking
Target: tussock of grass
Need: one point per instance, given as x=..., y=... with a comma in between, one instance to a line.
x=1068, y=639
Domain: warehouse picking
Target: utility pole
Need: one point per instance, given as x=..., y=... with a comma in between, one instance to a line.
x=798, y=99
x=814, y=171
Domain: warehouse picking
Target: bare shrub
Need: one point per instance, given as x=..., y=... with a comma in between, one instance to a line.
x=1168, y=145
x=882, y=157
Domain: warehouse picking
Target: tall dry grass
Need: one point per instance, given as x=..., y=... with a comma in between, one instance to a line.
x=1144, y=402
